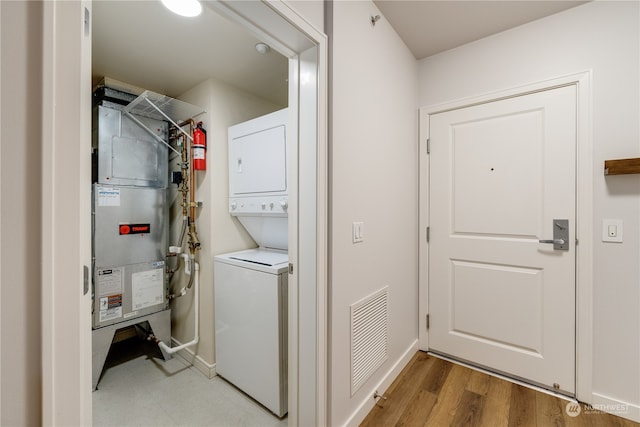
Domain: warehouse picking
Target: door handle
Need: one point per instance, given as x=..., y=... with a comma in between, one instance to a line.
x=554, y=241
x=560, y=239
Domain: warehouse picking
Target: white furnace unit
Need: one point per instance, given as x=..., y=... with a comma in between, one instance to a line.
x=251, y=285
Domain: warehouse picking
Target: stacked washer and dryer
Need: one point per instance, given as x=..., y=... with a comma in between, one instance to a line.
x=251, y=285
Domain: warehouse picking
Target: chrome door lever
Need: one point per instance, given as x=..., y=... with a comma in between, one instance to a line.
x=560, y=239
x=554, y=241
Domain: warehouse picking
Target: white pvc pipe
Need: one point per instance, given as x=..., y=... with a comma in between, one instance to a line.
x=196, y=321
x=187, y=264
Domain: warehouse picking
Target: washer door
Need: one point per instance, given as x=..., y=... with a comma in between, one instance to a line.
x=251, y=333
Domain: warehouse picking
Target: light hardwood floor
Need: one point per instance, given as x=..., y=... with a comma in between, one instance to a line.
x=434, y=392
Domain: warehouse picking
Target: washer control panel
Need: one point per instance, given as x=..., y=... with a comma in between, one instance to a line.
x=268, y=205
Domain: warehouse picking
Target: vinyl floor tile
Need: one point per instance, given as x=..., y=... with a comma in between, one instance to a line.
x=139, y=388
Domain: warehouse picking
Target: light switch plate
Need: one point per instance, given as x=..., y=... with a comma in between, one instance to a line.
x=612, y=230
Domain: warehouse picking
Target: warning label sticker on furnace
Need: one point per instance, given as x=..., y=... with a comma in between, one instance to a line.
x=109, y=281
x=147, y=288
x=110, y=307
x=108, y=196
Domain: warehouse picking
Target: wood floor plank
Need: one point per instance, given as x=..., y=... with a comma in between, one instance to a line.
x=437, y=375
x=550, y=410
x=522, y=407
x=497, y=403
x=388, y=410
x=433, y=392
x=415, y=366
x=449, y=397
x=418, y=410
x=469, y=411
x=479, y=383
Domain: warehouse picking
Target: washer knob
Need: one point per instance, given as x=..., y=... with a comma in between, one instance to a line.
x=284, y=205
x=234, y=206
x=263, y=205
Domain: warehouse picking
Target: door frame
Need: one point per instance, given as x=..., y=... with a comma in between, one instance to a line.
x=584, y=214
x=66, y=331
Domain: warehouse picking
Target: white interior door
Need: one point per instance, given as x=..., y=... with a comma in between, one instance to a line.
x=502, y=173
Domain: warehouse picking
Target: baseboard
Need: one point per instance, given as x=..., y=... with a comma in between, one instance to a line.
x=186, y=354
x=613, y=406
x=367, y=404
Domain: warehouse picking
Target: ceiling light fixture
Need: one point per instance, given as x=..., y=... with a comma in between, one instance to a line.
x=188, y=8
x=262, y=48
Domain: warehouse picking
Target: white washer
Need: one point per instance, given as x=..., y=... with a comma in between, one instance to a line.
x=251, y=324
x=251, y=285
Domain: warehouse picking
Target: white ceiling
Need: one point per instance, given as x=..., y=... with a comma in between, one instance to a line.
x=428, y=27
x=143, y=44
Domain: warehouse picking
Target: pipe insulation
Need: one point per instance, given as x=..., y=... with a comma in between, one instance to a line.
x=170, y=350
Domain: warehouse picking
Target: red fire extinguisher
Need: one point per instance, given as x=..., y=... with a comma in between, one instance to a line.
x=199, y=148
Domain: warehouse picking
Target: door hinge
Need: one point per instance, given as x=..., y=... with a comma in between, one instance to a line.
x=428, y=146
x=428, y=233
x=427, y=321
x=290, y=268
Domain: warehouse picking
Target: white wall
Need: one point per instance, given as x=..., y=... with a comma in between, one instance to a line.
x=311, y=10
x=20, y=223
x=373, y=179
x=217, y=230
x=603, y=37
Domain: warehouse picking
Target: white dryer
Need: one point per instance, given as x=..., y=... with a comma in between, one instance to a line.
x=251, y=285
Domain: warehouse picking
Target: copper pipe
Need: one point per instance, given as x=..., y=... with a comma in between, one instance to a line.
x=189, y=122
x=192, y=178
x=185, y=177
x=194, y=243
x=192, y=125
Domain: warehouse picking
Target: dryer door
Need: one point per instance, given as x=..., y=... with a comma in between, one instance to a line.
x=258, y=156
x=258, y=162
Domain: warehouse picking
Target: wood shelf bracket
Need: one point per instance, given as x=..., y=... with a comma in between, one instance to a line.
x=622, y=166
